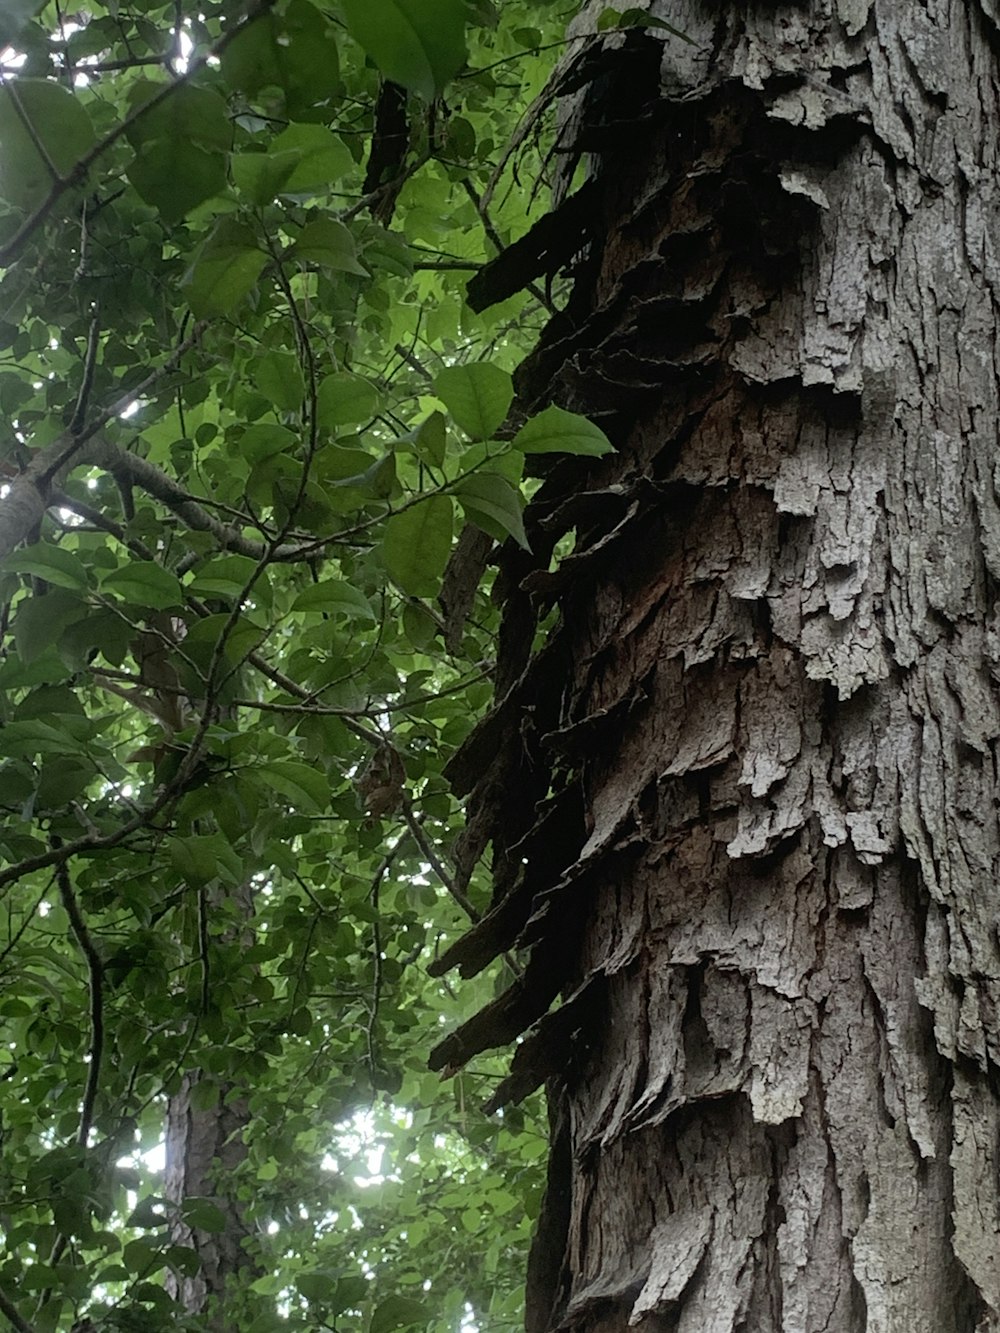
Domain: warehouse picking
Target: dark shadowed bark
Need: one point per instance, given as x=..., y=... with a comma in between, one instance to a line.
x=743, y=800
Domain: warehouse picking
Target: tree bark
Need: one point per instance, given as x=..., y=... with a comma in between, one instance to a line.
x=743, y=801
x=205, y=1149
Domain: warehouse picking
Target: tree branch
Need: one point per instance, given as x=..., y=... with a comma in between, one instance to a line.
x=24, y=505
x=159, y=486
x=11, y=1312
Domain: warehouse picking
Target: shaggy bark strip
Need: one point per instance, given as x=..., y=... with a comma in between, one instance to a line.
x=743, y=804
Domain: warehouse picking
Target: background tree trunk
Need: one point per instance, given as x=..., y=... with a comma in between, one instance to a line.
x=205, y=1148
x=743, y=802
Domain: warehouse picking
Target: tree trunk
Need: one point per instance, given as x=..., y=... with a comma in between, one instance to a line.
x=743, y=801
x=204, y=1150
x=204, y=1147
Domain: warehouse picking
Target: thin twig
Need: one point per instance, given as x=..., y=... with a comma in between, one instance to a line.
x=95, y=968
x=81, y=267
x=98, y=519
x=37, y=142
x=10, y=1310
x=113, y=66
x=447, y=266
x=89, y=363
x=203, y=951
x=28, y=918
x=427, y=851
x=414, y=362
x=374, y=196
x=177, y=53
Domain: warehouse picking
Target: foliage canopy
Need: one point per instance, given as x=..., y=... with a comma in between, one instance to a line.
x=250, y=426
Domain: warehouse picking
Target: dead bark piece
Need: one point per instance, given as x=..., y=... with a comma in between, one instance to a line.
x=461, y=580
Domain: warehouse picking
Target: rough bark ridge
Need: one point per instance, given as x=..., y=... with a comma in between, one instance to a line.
x=743, y=802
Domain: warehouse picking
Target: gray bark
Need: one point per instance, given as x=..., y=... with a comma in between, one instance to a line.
x=743, y=803
x=205, y=1150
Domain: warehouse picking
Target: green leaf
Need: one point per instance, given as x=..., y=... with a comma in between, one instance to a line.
x=430, y=439
x=335, y=597
x=52, y=563
x=148, y=1213
x=491, y=502
x=39, y=622
x=37, y=737
x=556, y=431
x=304, y=787
x=174, y=176
x=103, y=632
x=330, y=244
x=202, y=639
x=300, y=1022
x=303, y=160
x=386, y=250
x=204, y=1215
x=418, y=43
x=225, y=576
x=478, y=396
x=377, y=482
x=184, y=1258
x=62, y=781
x=341, y=464
x=351, y=1291
x=58, y=121
x=203, y=858
x=295, y=51
x=258, y=443
x=278, y=376
x=226, y=270
x=460, y=138
x=145, y=583
x=204, y=1095
x=343, y=399
x=316, y=1287
x=420, y=628
x=261, y=176
x=417, y=544
x=398, y=1312
x=322, y=158
x=268, y=1322
x=188, y=113
x=140, y=1257
x=638, y=18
